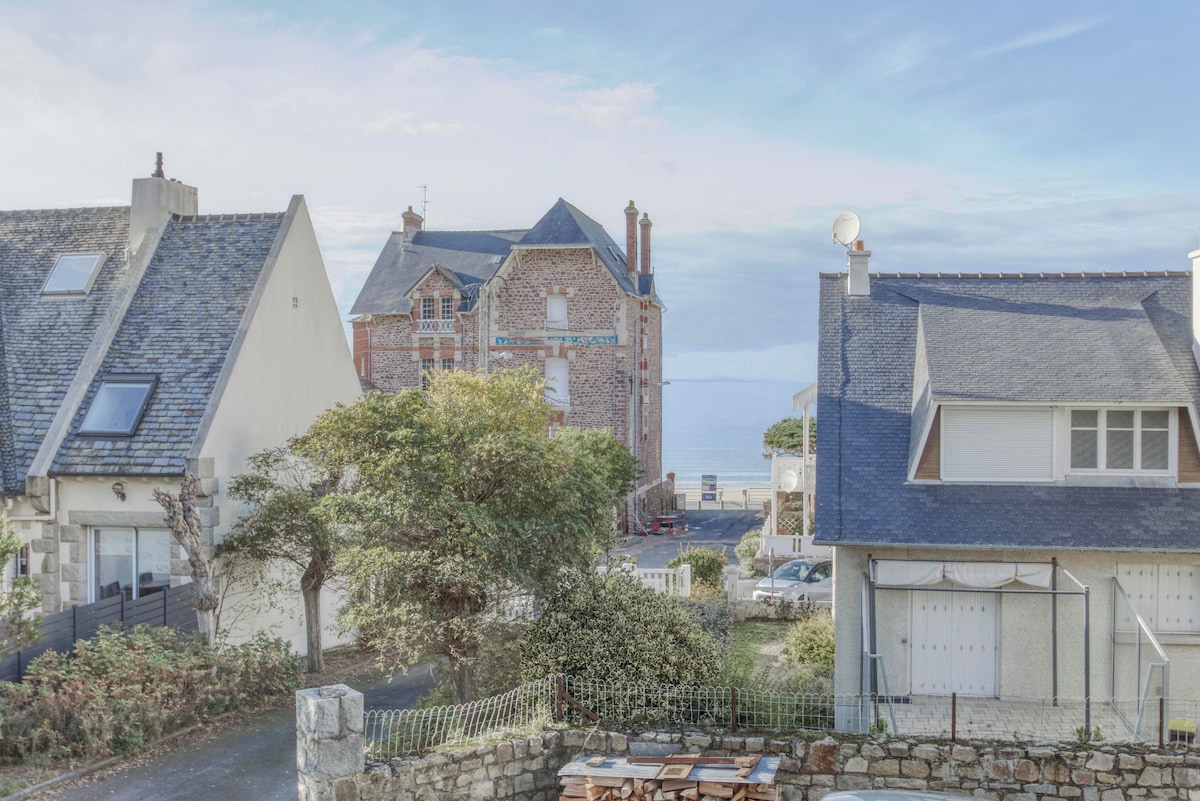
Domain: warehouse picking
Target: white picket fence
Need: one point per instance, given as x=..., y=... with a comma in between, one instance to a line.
x=793, y=545
x=668, y=580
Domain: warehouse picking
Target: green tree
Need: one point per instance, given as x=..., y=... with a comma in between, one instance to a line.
x=455, y=498
x=786, y=438
x=614, y=629
x=284, y=525
x=17, y=626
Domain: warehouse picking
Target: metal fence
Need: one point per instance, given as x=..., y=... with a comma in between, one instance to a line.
x=60, y=630
x=587, y=702
x=749, y=498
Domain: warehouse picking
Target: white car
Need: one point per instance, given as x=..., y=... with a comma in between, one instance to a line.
x=798, y=580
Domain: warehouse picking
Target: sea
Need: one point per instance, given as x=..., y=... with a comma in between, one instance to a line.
x=715, y=426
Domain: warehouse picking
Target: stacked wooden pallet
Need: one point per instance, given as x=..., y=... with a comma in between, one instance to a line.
x=671, y=779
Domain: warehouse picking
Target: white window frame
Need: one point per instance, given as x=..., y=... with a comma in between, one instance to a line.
x=447, y=362
x=1102, y=430
x=428, y=308
x=427, y=366
x=557, y=311
x=75, y=290
x=558, y=381
x=1148, y=588
x=446, y=308
x=92, y=588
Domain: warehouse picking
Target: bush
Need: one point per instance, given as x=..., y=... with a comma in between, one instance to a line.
x=708, y=566
x=715, y=617
x=810, y=643
x=124, y=689
x=497, y=669
x=747, y=549
x=611, y=628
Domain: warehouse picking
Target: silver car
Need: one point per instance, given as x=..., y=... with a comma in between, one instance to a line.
x=798, y=580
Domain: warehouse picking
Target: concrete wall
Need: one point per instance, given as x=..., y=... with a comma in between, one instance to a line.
x=1025, y=625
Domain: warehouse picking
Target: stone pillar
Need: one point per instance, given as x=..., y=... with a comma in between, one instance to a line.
x=329, y=743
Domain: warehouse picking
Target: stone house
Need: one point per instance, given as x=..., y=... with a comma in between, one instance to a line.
x=141, y=342
x=561, y=296
x=1010, y=481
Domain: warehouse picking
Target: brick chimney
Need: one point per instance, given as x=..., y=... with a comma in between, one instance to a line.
x=412, y=224
x=631, y=213
x=645, y=258
x=856, y=263
x=155, y=199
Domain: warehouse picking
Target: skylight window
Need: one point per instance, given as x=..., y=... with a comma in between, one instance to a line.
x=73, y=274
x=118, y=406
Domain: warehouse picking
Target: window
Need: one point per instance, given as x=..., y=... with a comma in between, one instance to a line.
x=118, y=406
x=18, y=567
x=130, y=562
x=1165, y=595
x=447, y=310
x=556, y=311
x=558, y=381
x=1121, y=440
x=995, y=443
x=426, y=369
x=73, y=274
x=427, y=306
x=448, y=363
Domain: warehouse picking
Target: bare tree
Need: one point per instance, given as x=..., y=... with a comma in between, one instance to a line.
x=184, y=522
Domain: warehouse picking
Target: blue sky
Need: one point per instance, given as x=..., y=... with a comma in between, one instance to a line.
x=968, y=136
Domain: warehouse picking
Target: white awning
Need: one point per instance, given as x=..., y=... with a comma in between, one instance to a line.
x=978, y=575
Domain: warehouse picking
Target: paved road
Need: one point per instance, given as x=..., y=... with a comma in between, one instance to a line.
x=710, y=528
x=252, y=759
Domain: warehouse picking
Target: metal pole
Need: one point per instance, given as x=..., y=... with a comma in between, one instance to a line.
x=953, y=717
x=1054, y=627
x=874, y=632
x=1087, y=662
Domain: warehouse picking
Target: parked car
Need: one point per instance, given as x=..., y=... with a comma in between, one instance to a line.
x=798, y=580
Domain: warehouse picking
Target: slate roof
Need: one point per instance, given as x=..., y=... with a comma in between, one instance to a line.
x=180, y=325
x=44, y=339
x=475, y=256
x=1081, y=338
x=182, y=319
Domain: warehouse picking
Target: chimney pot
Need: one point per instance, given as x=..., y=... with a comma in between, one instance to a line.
x=645, y=258
x=412, y=222
x=631, y=242
x=858, y=244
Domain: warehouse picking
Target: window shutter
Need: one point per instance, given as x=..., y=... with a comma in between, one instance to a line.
x=993, y=443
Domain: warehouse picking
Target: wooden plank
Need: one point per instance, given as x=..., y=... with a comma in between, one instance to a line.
x=684, y=760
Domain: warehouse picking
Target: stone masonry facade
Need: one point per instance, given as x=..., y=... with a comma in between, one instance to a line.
x=525, y=768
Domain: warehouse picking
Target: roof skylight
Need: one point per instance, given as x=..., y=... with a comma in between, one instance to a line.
x=118, y=406
x=73, y=274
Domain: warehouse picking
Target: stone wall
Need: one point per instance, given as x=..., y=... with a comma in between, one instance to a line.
x=525, y=768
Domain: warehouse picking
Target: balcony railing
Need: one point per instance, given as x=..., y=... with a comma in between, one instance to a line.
x=556, y=325
x=558, y=400
x=439, y=325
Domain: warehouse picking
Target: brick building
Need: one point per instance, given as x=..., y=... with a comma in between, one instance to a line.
x=561, y=295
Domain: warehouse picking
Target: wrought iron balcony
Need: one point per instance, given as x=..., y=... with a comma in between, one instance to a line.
x=437, y=325
x=556, y=325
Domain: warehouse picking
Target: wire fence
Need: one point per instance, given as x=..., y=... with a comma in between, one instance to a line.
x=587, y=702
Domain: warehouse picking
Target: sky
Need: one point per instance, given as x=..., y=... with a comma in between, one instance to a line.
x=1016, y=136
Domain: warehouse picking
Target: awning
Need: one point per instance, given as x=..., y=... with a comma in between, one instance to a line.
x=977, y=575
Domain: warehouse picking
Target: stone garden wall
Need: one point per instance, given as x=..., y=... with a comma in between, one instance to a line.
x=525, y=768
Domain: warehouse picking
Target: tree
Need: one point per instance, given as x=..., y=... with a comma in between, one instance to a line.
x=184, y=522
x=455, y=497
x=611, y=628
x=284, y=525
x=786, y=438
x=17, y=626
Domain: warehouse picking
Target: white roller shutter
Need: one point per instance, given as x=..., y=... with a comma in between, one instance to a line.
x=997, y=443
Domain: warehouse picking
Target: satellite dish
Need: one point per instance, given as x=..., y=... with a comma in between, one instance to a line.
x=789, y=480
x=846, y=228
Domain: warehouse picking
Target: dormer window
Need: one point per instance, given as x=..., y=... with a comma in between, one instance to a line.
x=118, y=406
x=1121, y=440
x=73, y=274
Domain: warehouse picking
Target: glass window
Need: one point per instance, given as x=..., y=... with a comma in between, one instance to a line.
x=448, y=363
x=118, y=406
x=558, y=381
x=73, y=274
x=130, y=562
x=447, y=310
x=1124, y=440
x=556, y=311
x=426, y=369
x=427, y=308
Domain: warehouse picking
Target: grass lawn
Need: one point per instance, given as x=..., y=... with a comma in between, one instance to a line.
x=753, y=648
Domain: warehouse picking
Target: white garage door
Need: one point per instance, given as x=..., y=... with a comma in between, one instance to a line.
x=954, y=637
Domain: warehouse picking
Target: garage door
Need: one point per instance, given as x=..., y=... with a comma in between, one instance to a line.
x=954, y=637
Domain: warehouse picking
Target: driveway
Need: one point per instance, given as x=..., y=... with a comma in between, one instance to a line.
x=251, y=759
x=708, y=528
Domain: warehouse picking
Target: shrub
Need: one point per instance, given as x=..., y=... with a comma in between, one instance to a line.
x=612, y=628
x=810, y=642
x=708, y=566
x=497, y=668
x=715, y=617
x=124, y=689
x=747, y=549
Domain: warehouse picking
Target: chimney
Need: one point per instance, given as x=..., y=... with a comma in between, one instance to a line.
x=631, y=239
x=155, y=199
x=645, y=258
x=1195, y=257
x=412, y=224
x=856, y=263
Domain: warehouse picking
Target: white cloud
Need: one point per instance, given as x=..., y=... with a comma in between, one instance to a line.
x=1043, y=36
